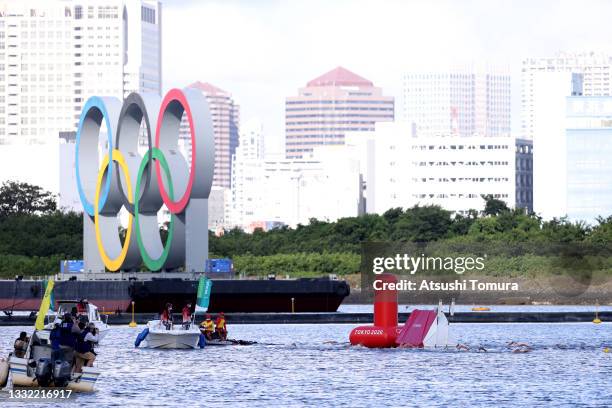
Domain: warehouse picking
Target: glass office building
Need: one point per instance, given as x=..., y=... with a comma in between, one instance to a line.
x=589, y=157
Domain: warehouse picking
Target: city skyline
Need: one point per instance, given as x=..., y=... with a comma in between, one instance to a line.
x=454, y=98
x=281, y=51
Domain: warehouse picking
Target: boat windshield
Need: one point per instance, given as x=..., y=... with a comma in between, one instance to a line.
x=74, y=308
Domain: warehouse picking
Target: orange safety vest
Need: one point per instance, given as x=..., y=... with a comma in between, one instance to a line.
x=220, y=323
x=208, y=325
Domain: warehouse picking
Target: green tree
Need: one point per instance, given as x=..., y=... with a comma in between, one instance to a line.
x=462, y=223
x=422, y=224
x=602, y=232
x=561, y=230
x=25, y=199
x=493, y=206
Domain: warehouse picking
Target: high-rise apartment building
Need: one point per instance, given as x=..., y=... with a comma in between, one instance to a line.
x=596, y=77
x=460, y=102
x=402, y=169
x=54, y=54
x=226, y=121
x=247, y=159
x=337, y=102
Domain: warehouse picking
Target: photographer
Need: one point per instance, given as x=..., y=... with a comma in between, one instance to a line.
x=21, y=345
x=85, y=354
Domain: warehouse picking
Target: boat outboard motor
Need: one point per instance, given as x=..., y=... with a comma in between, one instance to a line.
x=43, y=372
x=61, y=373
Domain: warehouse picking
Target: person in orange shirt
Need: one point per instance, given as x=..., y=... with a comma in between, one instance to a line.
x=221, y=326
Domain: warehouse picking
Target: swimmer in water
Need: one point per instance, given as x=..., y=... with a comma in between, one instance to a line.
x=518, y=347
x=512, y=344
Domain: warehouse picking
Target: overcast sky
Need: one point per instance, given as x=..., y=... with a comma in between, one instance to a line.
x=262, y=51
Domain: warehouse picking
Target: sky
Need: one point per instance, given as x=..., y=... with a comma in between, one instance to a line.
x=264, y=50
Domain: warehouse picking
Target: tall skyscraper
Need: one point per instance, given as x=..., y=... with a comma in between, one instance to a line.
x=549, y=93
x=576, y=132
x=245, y=162
x=596, y=70
x=337, y=102
x=460, y=102
x=226, y=121
x=251, y=141
x=54, y=54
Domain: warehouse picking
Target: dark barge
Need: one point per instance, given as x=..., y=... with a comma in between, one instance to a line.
x=150, y=292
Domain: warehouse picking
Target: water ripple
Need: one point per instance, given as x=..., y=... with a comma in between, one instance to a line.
x=310, y=365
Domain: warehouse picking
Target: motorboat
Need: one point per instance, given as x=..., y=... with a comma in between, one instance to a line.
x=84, y=311
x=162, y=335
x=39, y=368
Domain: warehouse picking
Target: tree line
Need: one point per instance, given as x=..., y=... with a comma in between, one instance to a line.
x=35, y=235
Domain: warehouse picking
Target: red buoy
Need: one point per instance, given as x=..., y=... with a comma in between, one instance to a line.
x=384, y=331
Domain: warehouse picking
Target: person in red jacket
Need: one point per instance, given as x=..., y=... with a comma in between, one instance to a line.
x=166, y=316
x=187, y=315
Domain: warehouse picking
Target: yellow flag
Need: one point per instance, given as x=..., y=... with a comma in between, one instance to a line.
x=44, y=306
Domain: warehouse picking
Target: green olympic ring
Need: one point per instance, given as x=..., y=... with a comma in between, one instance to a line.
x=153, y=264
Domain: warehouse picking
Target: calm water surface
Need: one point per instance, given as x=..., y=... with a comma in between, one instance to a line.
x=310, y=365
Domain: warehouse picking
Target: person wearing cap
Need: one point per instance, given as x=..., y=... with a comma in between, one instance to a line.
x=207, y=327
x=221, y=326
x=187, y=315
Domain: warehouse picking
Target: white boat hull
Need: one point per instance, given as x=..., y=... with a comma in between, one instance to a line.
x=166, y=341
x=20, y=377
x=175, y=338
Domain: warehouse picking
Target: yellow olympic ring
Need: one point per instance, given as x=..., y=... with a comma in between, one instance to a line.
x=113, y=264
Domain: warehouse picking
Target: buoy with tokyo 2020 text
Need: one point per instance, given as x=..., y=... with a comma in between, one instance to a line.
x=424, y=328
x=385, y=329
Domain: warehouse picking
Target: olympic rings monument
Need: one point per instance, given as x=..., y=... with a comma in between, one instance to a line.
x=143, y=184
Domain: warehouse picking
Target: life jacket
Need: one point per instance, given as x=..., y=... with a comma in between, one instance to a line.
x=55, y=338
x=165, y=316
x=83, y=346
x=66, y=336
x=208, y=325
x=220, y=323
